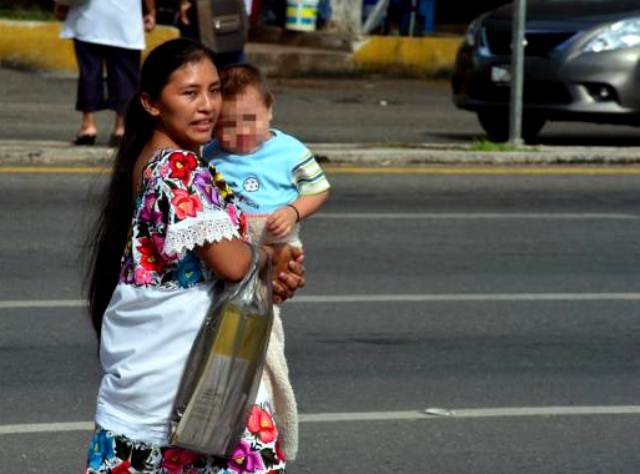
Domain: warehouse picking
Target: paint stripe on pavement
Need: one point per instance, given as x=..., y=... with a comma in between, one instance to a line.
x=489, y=170
x=427, y=169
x=455, y=298
x=46, y=427
x=28, y=304
x=473, y=215
x=414, y=415
x=406, y=298
x=444, y=413
x=54, y=170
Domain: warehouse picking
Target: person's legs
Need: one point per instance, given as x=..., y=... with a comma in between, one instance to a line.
x=118, y=126
x=123, y=71
x=90, y=93
x=228, y=59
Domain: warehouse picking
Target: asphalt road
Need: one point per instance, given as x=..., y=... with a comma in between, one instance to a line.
x=317, y=110
x=509, y=242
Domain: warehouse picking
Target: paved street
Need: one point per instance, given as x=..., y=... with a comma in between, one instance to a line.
x=317, y=110
x=454, y=292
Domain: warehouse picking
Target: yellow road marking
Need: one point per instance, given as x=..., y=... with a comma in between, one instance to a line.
x=54, y=169
x=488, y=170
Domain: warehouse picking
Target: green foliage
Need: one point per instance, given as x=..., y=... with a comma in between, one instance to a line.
x=19, y=14
x=482, y=144
x=27, y=9
x=46, y=5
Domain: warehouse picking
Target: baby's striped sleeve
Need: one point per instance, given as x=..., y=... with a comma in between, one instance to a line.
x=308, y=175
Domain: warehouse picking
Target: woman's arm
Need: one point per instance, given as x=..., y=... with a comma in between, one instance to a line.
x=231, y=260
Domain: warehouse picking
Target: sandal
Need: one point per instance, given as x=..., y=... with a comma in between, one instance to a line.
x=85, y=140
x=115, y=140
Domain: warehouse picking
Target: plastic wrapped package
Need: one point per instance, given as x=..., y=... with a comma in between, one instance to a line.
x=224, y=368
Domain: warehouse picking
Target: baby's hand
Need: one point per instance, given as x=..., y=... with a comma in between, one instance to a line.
x=281, y=222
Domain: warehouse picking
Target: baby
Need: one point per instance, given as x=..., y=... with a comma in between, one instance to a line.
x=276, y=178
x=278, y=183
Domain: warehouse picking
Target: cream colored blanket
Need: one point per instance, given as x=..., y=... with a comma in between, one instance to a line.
x=276, y=373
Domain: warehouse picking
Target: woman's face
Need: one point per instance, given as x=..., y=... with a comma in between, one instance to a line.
x=188, y=106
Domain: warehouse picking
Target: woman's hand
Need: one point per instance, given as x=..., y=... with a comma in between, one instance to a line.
x=288, y=271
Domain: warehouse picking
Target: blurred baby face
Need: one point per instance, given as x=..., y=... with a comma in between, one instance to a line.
x=243, y=123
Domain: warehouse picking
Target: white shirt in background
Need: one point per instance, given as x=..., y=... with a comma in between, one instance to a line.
x=109, y=22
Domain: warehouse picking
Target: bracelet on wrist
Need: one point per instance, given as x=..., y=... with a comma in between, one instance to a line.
x=296, y=211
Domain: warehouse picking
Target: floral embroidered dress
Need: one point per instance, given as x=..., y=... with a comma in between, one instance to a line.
x=156, y=310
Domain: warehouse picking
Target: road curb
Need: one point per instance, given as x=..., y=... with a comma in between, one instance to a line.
x=431, y=56
x=53, y=153
x=37, y=46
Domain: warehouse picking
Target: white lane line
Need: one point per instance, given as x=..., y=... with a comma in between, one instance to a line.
x=473, y=215
x=46, y=427
x=400, y=298
x=507, y=412
x=413, y=415
x=464, y=297
x=17, y=304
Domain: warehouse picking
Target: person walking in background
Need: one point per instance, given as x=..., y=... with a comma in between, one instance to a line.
x=106, y=33
x=221, y=25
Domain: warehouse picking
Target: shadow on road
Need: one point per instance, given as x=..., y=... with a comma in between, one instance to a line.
x=585, y=140
x=551, y=139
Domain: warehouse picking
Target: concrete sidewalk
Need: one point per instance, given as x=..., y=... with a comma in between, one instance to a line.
x=55, y=153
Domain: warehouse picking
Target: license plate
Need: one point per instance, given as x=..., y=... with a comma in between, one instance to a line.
x=501, y=74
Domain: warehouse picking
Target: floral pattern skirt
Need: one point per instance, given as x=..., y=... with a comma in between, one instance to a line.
x=257, y=452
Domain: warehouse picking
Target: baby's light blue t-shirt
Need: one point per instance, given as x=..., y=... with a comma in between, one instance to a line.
x=274, y=175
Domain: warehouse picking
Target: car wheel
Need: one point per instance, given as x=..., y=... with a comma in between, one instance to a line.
x=496, y=125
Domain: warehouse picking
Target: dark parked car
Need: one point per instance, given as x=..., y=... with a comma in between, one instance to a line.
x=582, y=62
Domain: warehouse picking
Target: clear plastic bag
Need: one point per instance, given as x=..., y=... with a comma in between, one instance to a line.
x=224, y=368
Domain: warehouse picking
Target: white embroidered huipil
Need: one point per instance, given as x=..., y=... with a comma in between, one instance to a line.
x=163, y=295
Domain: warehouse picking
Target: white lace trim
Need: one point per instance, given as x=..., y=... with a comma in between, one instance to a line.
x=185, y=235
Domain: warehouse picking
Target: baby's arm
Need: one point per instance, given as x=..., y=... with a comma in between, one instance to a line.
x=282, y=221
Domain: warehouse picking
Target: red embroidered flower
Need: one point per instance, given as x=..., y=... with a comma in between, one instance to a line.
x=121, y=468
x=175, y=460
x=150, y=258
x=182, y=164
x=244, y=227
x=233, y=214
x=186, y=205
x=261, y=424
x=280, y=452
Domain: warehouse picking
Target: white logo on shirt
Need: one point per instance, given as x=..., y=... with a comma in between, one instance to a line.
x=251, y=184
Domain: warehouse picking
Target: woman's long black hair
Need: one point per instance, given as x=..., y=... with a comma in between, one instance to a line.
x=109, y=238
